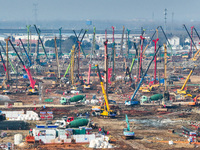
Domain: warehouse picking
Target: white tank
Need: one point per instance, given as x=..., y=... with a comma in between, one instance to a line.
x=17, y=139
x=98, y=143
x=92, y=144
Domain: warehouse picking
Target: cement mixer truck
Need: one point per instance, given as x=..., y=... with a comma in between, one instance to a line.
x=68, y=100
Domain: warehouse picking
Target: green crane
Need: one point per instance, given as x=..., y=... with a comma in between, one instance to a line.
x=8, y=58
x=133, y=60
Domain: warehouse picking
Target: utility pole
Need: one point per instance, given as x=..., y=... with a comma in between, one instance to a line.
x=7, y=69
x=28, y=31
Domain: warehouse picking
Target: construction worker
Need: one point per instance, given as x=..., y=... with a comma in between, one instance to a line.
x=31, y=132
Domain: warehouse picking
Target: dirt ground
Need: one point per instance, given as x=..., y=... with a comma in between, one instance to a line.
x=150, y=126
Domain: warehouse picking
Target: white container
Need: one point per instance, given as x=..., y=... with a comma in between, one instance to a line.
x=92, y=144
x=171, y=142
x=110, y=146
x=17, y=139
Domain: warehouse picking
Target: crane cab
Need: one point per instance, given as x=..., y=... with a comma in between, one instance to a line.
x=107, y=113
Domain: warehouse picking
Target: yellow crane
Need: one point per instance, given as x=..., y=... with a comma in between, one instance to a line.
x=182, y=91
x=72, y=65
x=106, y=111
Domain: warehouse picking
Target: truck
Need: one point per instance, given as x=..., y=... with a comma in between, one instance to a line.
x=76, y=98
x=132, y=102
x=155, y=97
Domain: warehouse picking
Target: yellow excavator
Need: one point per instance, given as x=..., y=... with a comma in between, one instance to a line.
x=106, y=111
x=182, y=91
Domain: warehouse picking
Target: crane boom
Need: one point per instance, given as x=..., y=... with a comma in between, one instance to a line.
x=141, y=80
x=133, y=60
x=150, y=40
x=77, y=38
x=32, y=82
x=25, y=52
x=57, y=60
x=41, y=41
x=128, y=42
x=8, y=58
x=122, y=42
x=72, y=64
x=190, y=36
x=182, y=91
x=103, y=89
x=4, y=66
x=60, y=32
x=67, y=70
x=188, y=77
x=195, y=55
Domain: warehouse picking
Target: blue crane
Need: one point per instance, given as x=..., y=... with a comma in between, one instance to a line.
x=133, y=101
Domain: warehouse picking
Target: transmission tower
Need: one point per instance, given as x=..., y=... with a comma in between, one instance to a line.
x=35, y=11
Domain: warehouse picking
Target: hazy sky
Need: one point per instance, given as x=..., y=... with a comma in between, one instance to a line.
x=184, y=10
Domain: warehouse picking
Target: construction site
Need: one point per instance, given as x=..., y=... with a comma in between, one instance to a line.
x=132, y=91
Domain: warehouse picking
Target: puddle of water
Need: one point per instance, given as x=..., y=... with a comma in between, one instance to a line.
x=154, y=122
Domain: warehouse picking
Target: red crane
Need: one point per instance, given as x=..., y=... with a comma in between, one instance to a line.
x=32, y=82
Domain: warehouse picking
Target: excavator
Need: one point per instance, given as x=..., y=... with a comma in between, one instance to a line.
x=195, y=101
x=106, y=111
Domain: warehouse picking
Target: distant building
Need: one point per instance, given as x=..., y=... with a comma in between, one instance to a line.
x=24, y=39
x=174, y=41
